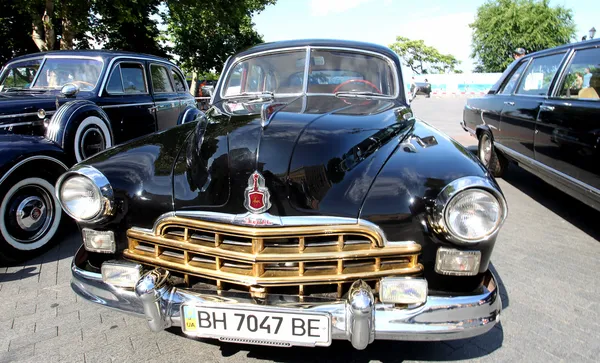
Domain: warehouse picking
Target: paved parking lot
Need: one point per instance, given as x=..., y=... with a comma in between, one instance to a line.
x=547, y=258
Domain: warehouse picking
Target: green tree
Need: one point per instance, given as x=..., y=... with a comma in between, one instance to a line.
x=422, y=58
x=130, y=25
x=500, y=26
x=206, y=33
x=16, y=40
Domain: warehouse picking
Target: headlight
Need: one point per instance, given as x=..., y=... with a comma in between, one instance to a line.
x=473, y=214
x=469, y=210
x=85, y=194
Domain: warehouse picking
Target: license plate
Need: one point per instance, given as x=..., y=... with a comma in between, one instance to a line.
x=257, y=326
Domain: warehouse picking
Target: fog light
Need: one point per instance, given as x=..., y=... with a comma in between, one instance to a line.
x=403, y=290
x=99, y=241
x=459, y=263
x=120, y=273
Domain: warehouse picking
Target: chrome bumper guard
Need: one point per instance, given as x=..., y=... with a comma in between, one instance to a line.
x=358, y=318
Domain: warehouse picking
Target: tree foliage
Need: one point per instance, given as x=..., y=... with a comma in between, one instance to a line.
x=501, y=26
x=206, y=33
x=423, y=59
x=203, y=33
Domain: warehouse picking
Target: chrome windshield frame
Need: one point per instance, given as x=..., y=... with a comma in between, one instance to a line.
x=308, y=49
x=99, y=59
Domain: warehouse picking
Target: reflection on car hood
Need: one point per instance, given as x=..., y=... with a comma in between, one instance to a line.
x=318, y=154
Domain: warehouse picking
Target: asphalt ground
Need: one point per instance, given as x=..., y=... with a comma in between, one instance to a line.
x=547, y=258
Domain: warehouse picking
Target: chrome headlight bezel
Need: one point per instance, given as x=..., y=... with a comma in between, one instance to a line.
x=452, y=190
x=100, y=182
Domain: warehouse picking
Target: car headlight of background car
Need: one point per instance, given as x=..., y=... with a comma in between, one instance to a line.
x=469, y=210
x=85, y=194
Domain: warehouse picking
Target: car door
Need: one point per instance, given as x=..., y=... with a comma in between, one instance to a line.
x=166, y=100
x=520, y=110
x=183, y=95
x=491, y=106
x=127, y=101
x=568, y=130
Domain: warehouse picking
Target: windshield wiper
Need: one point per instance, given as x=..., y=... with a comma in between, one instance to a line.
x=253, y=95
x=358, y=94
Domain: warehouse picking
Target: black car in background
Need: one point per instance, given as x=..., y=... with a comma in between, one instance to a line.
x=308, y=205
x=58, y=108
x=544, y=114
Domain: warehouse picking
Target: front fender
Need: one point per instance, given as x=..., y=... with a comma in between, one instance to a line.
x=17, y=150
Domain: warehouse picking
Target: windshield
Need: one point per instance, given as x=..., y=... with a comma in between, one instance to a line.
x=329, y=72
x=56, y=72
x=19, y=75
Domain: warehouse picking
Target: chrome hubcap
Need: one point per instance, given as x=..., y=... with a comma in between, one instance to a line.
x=31, y=213
x=485, y=150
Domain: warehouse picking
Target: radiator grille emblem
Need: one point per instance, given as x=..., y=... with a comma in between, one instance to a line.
x=257, y=197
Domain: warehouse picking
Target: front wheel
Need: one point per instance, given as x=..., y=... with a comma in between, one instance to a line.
x=494, y=162
x=30, y=217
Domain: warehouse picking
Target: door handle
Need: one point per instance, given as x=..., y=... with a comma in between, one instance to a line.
x=546, y=108
x=510, y=103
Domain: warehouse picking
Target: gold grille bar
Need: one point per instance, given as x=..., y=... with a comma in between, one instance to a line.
x=272, y=256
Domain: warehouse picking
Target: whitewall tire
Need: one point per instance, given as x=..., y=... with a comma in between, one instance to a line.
x=91, y=137
x=31, y=214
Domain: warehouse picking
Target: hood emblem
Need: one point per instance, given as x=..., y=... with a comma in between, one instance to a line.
x=257, y=196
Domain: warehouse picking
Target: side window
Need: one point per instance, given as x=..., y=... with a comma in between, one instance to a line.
x=511, y=84
x=115, y=85
x=179, y=84
x=255, y=77
x=161, y=82
x=538, y=77
x=133, y=78
x=582, y=77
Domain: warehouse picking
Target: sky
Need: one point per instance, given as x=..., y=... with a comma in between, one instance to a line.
x=441, y=24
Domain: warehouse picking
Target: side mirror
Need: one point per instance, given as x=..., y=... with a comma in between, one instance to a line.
x=69, y=90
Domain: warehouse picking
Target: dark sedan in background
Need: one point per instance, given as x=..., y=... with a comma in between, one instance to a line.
x=59, y=108
x=544, y=114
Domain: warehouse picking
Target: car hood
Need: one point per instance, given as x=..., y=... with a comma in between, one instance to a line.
x=318, y=154
x=15, y=103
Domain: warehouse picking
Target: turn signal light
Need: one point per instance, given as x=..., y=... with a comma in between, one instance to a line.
x=458, y=263
x=403, y=290
x=99, y=241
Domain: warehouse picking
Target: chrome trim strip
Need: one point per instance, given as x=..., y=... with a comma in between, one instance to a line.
x=24, y=114
x=24, y=123
x=113, y=60
x=7, y=65
x=306, y=69
x=37, y=74
x=128, y=105
x=438, y=219
x=107, y=207
x=536, y=164
x=440, y=318
x=36, y=157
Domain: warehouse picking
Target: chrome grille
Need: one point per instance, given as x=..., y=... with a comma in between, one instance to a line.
x=271, y=257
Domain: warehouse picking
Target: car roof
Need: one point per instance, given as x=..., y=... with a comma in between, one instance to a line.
x=592, y=42
x=319, y=43
x=105, y=54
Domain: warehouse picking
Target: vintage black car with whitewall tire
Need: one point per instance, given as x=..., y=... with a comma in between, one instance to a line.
x=59, y=108
x=543, y=115
x=307, y=205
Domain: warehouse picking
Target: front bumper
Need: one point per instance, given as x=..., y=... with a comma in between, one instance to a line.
x=357, y=318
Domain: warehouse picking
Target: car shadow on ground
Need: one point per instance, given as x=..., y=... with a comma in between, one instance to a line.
x=585, y=218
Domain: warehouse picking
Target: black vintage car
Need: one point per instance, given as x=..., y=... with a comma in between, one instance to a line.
x=307, y=205
x=58, y=108
x=543, y=115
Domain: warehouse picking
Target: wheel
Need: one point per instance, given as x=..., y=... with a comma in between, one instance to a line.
x=92, y=136
x=493, y=161
x=30, y=216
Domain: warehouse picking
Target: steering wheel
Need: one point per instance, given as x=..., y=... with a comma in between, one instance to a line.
x=357, y=81
x=84, y=83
